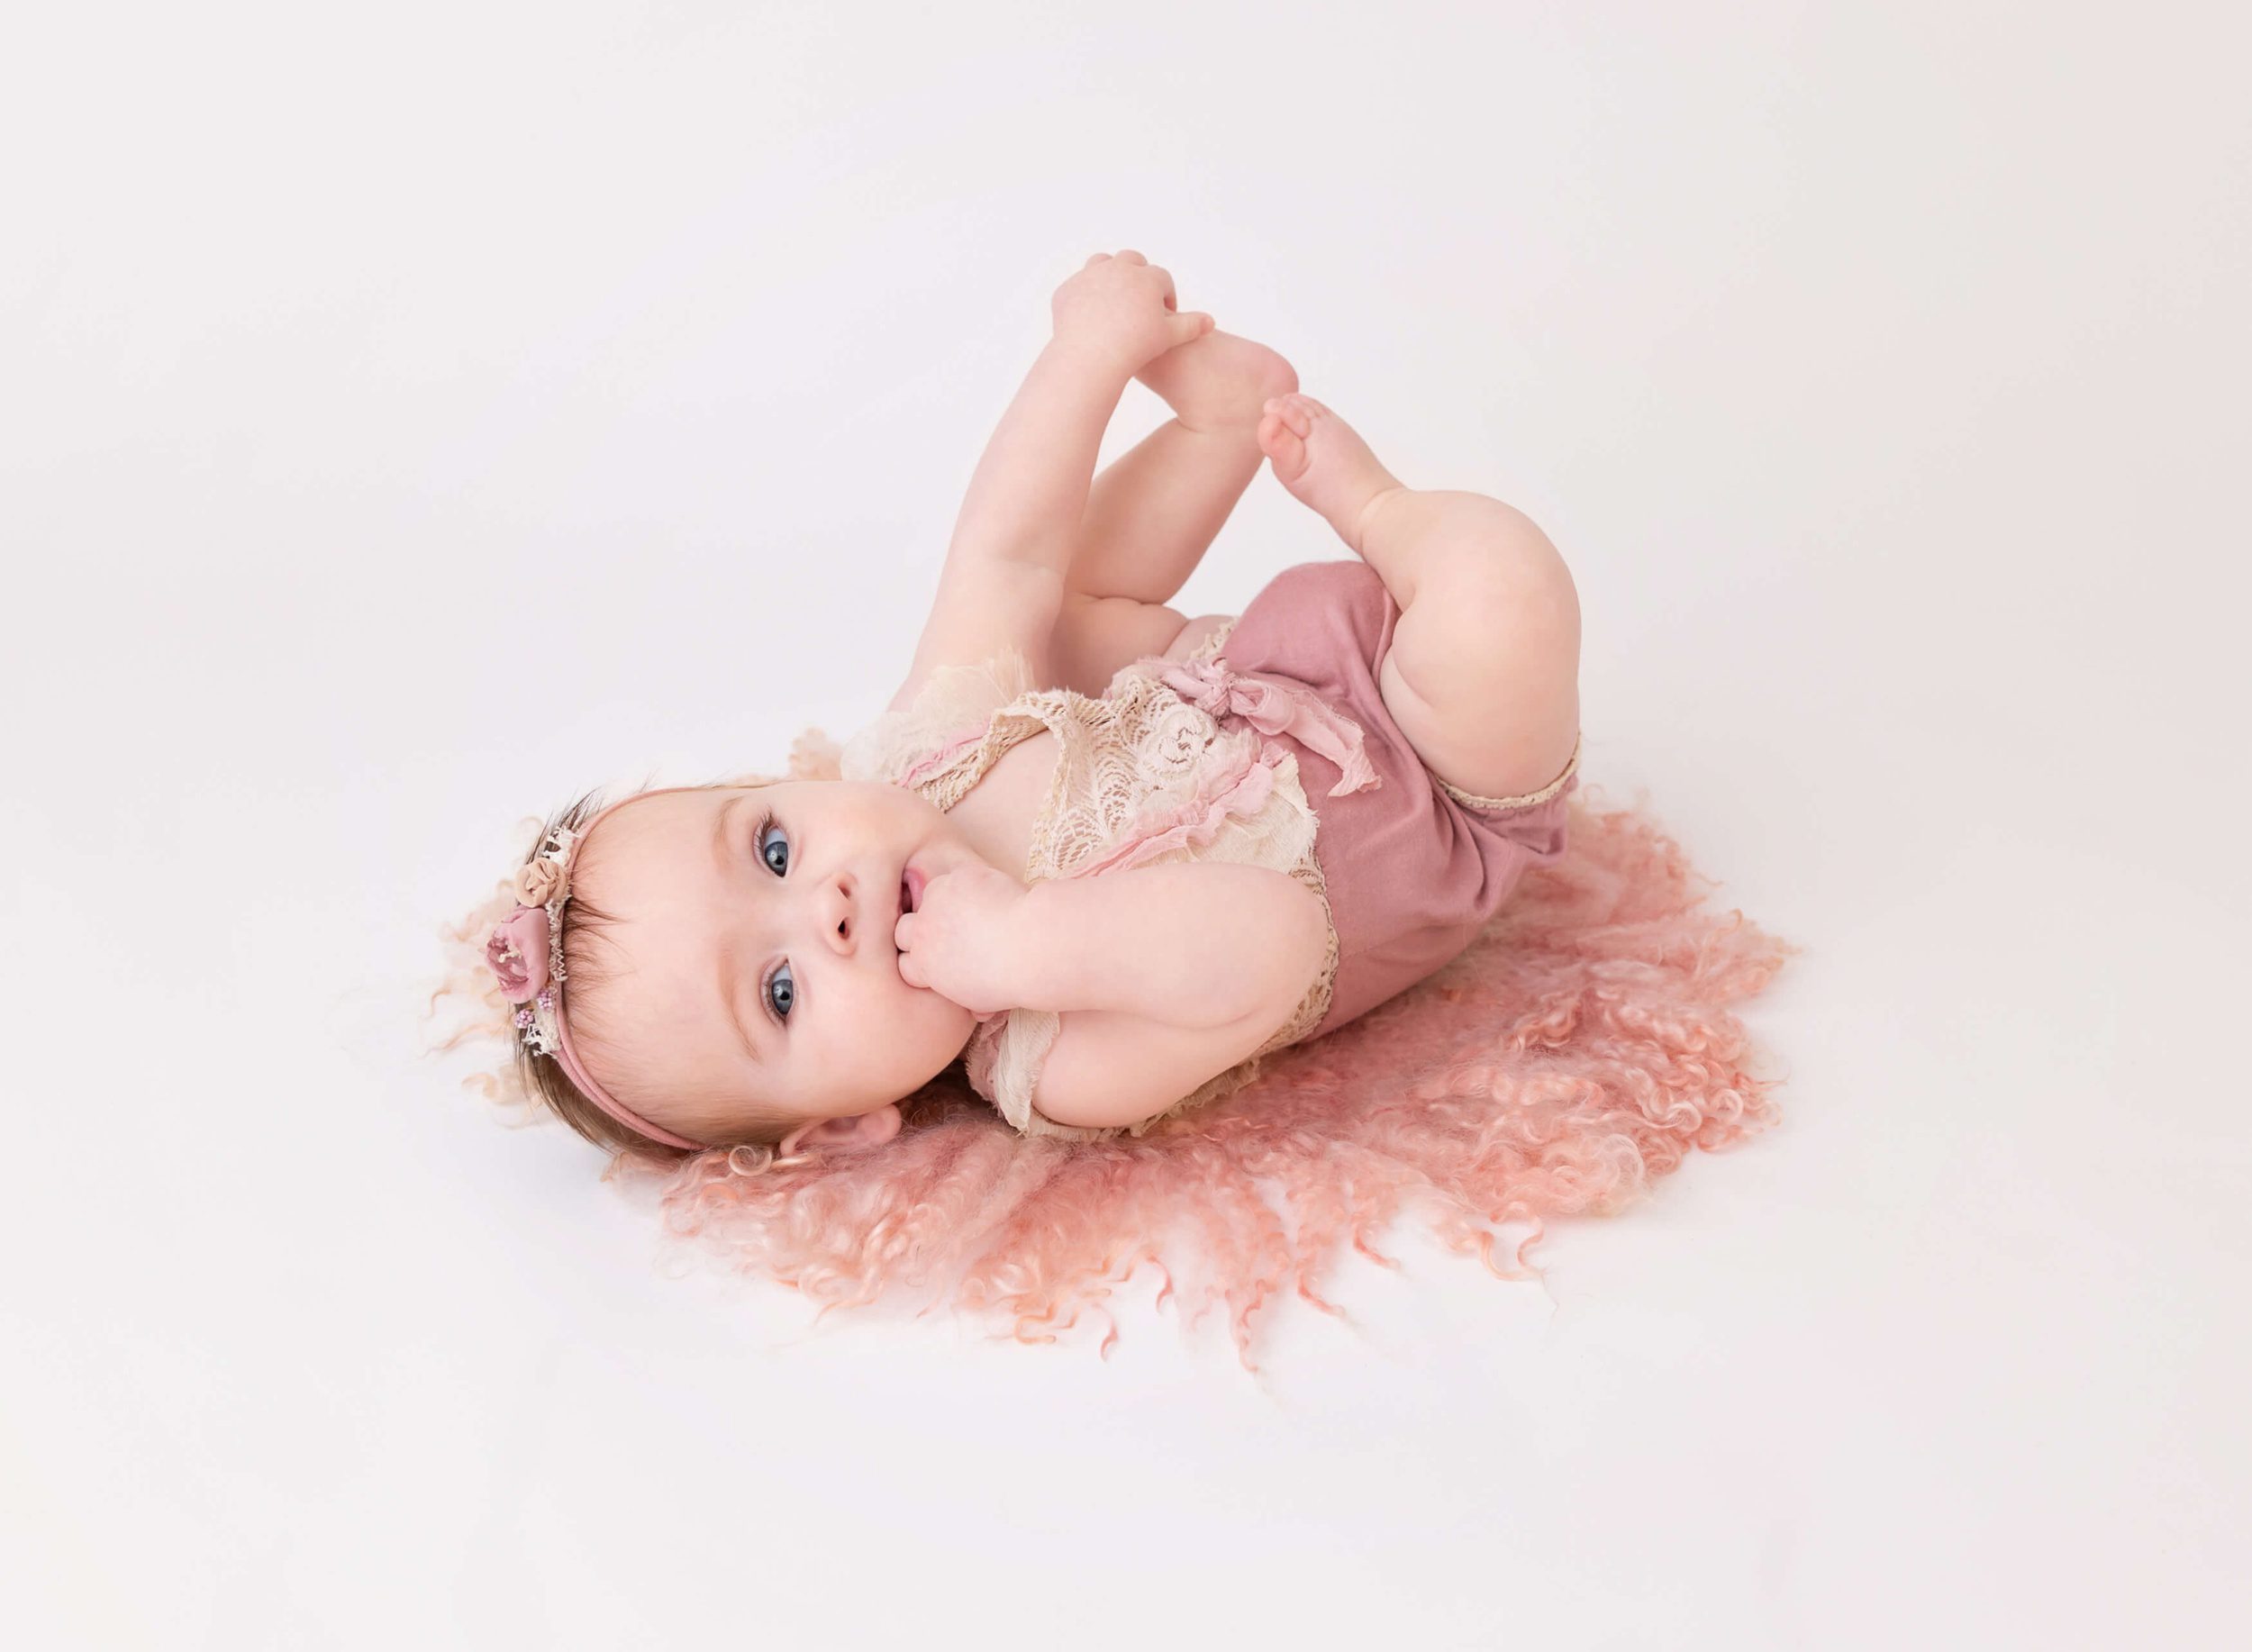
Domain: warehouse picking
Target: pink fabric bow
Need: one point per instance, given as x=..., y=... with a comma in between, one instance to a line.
x=517, y=951
x=1273, y=707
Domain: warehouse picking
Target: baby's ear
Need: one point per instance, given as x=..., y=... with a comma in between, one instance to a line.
x=864, y=1130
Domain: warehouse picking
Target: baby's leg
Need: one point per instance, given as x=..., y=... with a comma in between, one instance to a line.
x=1153, y=513
x=1483, y=677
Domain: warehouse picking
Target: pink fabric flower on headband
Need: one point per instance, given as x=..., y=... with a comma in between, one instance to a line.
x=517, y=951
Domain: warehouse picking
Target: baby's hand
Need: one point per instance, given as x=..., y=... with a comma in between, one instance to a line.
x=960, y=941
x=1119, y=310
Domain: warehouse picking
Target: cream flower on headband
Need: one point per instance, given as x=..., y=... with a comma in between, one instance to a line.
x=539, y=881
x=547, y=878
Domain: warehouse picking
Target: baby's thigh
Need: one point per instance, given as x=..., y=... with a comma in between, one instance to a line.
x=1096, y=636
x=1483, y=673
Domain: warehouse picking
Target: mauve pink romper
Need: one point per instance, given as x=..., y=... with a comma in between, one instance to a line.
x=1412, y=874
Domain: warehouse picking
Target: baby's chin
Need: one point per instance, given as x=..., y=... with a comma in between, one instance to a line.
x=944, y=1027
x=942, y=1039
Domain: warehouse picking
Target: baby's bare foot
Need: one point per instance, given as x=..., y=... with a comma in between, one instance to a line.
x=1324, y=462
x=1220, y=381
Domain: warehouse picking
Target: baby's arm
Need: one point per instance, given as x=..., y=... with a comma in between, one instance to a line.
x=1031, y=486
x=1164, y=975
x=1002, y=583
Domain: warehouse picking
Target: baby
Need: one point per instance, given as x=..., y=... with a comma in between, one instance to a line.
x=1103, y=855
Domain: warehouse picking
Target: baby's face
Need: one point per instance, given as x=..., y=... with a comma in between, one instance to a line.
x=754, y=962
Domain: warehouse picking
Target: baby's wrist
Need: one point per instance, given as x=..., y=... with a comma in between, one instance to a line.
x=1093, y=359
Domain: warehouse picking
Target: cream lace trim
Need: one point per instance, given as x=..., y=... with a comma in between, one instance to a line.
x=954, y=701
x=1212, y=645
x=1471, y=800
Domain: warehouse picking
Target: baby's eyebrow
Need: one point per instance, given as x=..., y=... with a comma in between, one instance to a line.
x=719, y=830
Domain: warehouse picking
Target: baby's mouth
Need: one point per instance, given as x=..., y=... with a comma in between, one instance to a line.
x=910, y=894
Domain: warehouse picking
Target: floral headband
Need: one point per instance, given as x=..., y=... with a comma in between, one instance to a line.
x=525, y=950
x=525, y=953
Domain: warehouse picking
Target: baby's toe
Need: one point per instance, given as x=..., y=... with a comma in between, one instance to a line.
x=1291, y=411
x=1282, y=446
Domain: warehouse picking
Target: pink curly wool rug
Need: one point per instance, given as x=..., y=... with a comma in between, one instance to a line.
x=1574, y=1054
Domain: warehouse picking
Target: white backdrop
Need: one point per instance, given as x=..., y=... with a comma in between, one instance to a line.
x=415, y=416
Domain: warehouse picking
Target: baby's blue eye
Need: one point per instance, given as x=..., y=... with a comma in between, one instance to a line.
x=774, y=849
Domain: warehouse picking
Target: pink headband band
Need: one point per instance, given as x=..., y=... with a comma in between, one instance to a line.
x=525, y=951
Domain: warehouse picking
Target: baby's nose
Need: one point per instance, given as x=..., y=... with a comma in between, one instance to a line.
x=840, y=916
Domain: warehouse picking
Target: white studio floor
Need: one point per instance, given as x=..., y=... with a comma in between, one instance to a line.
x=413, y=422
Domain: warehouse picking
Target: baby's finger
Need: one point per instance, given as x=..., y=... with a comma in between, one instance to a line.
x=1130, y=257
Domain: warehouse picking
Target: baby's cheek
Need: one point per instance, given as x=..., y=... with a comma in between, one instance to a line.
x=882, y=1026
